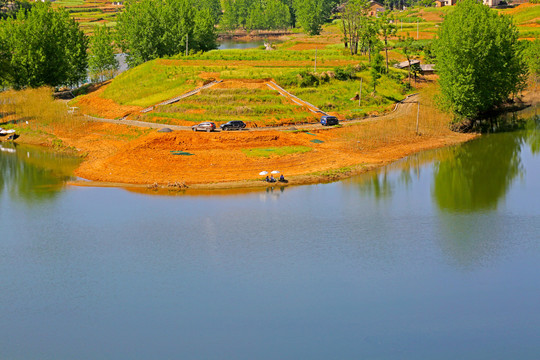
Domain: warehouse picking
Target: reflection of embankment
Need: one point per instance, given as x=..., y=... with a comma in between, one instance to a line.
x=31, y=173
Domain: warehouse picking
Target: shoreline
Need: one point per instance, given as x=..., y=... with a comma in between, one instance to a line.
x=112, y=158
x=329, y=176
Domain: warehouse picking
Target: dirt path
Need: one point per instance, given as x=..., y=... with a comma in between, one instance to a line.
x=401, y=108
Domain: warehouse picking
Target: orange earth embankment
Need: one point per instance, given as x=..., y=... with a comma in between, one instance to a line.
x=218, y=157
x=130, y=155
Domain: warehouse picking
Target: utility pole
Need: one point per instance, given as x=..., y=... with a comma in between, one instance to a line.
x=360, y=97
x=417, y=116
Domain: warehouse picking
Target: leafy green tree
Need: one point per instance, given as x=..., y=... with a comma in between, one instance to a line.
x=532, y=58
x=268, y=15
x=354, y=19
x=102, y=62
x=44, y=47
x=5, y=57
x=229, y=20
x=369, y=39
x=214, y=7
x=256, y=18
x=377, y=68
x=204, y=33
x=311, y=14
x=407, y=47
x=277, y=14
x=292, y=12
x=387, y=28
x=415, y=70
x=477, y=58
x=150, y=29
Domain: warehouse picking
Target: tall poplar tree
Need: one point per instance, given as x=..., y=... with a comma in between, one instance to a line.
x=312, y=14
x=102, y=63
x=149, y=29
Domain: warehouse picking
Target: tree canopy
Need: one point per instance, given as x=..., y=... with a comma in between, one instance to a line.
x=102, y=62
x=150, y=29
x=477, y=58
x=312, y=14
x=255, y=15
x=42, y=46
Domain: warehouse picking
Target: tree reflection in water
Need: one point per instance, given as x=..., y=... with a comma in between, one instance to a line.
x=478, y=174
x=33, y=174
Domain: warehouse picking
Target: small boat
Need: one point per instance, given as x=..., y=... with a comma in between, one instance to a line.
x=9, y=133
x=6, y=132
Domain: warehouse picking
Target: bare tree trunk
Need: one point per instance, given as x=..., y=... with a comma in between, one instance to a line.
x=386, y=51
x=409, y=60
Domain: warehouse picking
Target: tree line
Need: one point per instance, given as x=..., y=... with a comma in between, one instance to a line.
x=41, y=46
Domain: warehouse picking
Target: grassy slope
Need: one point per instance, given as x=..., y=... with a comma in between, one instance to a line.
x=159, y=80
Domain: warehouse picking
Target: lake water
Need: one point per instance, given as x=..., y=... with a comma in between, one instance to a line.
x=434, y=257
x=236, y=44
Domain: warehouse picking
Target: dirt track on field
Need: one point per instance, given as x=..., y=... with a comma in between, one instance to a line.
x=219, y=159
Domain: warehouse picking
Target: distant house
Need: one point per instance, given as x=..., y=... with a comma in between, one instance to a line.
x=449, y=2
x=439, y=3
x=375, y=8
x=405, y=64
x=427, y=68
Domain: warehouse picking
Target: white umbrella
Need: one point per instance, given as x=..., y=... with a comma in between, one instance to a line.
x=275, y=172
x=262, y=173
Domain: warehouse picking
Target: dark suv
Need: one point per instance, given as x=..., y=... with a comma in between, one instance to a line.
x=327, y=120
x=233, y=125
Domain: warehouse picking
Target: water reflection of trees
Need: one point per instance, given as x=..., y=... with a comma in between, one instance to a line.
x=533, y=134
x=478, y=174
x=31, y=174
x=380, y=183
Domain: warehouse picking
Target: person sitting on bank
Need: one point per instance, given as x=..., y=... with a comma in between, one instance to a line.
x=267, y=179
x=282, y=178
x=272, y=178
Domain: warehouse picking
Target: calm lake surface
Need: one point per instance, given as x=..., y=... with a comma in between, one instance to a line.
x=228, y=44
x=434, y=257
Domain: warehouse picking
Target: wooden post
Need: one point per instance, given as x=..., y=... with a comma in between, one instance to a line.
x=360, y=95
x=417, y=116
x=187, y=43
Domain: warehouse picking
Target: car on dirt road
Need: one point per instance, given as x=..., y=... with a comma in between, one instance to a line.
x=233, y=125
x=328, y=120
x=204, y=126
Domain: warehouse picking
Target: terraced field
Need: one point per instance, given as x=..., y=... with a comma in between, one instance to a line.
x=255, y=106
x=89, y=13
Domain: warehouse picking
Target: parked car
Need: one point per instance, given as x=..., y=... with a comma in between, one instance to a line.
x=327, y=120
x=233, y=125
x=204, y=126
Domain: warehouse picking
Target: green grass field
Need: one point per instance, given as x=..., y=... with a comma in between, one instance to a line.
x=255, y=106
x=159, y=80
x=276, y=151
